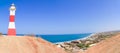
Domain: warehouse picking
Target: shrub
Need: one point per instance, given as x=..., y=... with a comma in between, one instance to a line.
x=83, y=46
x=0, y=34
x=31, y=35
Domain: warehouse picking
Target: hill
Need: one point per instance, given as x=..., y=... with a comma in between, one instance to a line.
x=110, y=45
x=25, y=44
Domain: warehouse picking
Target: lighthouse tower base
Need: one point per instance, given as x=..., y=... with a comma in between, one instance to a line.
x=11, y=32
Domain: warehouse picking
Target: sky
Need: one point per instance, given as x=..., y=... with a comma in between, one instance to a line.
x=61, y=16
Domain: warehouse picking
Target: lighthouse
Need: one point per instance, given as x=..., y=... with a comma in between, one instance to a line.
x=11, y=27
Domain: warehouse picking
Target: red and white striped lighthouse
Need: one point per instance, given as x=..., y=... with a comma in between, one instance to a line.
x=11, y=27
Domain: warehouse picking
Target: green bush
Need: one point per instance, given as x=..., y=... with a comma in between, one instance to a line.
x=83, y=46
x=31, y=35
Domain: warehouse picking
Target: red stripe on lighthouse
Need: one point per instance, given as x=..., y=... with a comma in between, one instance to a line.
x=11, y=32
x=12, y=18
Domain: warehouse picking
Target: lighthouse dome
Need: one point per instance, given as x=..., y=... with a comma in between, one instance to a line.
x=12, y=7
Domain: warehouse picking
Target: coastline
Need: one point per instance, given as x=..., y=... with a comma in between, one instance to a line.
x=87, y=37
x=58, y=38
x=75, y=39
x=73, y=46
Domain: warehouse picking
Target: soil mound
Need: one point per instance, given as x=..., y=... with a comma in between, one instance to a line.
x=26, y=44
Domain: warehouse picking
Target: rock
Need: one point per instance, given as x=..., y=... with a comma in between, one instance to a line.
x=75, y=42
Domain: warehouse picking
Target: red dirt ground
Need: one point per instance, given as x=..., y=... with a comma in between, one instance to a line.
x=25, y=44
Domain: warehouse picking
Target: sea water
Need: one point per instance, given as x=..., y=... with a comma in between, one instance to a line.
x=63, y=37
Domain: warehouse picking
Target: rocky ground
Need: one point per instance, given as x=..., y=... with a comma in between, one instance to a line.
x=109, y=45
x=82, y=45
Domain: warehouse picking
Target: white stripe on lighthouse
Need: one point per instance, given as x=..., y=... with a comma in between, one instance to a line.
x=12, y=12
x=11, y=25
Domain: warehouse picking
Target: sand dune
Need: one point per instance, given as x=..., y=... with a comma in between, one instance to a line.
x=110, y=45
x=25, y=44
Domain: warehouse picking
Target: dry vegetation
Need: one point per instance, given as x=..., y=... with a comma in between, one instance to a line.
x=0, y=34
x=76, y=45
x=31, y=35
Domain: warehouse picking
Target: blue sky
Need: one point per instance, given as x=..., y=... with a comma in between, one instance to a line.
x=61, y=16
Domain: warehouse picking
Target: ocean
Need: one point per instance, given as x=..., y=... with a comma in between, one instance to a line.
x=63, y=37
